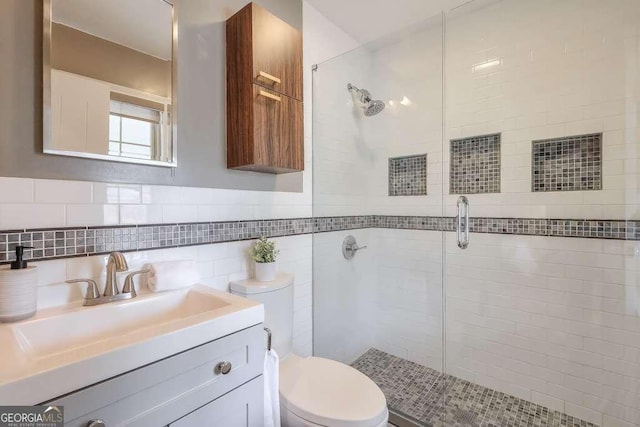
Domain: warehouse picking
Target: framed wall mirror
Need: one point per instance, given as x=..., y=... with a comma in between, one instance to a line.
x=110, y=80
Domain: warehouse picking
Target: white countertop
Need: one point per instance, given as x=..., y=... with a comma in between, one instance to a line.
x=30, y=374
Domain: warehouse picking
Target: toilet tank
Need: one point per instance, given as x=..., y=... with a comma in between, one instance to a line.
x=277, y=297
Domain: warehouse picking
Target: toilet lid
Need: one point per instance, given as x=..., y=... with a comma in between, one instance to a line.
x=330, y=393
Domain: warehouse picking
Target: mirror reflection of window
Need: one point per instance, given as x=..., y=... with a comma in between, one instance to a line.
x=134, y=131
x=138, y=128
x=111, y=77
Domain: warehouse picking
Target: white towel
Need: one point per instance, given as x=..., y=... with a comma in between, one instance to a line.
x=171, y=275
x=271, y=390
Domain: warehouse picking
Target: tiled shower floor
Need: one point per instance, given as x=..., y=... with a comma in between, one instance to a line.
x=416, y=391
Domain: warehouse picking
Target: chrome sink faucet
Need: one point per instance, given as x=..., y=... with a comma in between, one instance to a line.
x=116, y=263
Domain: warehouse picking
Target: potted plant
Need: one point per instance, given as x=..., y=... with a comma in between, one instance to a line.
x=264, y=254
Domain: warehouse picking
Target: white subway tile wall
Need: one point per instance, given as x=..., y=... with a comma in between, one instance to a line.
x=554, y=69
x=550, y=319
x=94, y=204
x=86, y=204
x=408, y=294
x=345, y=299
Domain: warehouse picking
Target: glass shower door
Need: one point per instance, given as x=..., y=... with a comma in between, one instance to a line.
x=541, y=136
x=377, y=176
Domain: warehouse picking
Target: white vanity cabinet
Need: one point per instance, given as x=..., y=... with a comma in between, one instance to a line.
x=187, y=389
x=238, y=408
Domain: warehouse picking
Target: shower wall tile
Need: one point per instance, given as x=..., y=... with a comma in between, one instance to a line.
x=334, y=275
x=547, y=316
x=567, y=164
x=475, y=165
x=565, y=299
x=524, y=307
x=408, y=175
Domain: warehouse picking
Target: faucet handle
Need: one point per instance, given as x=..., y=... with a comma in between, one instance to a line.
x=129, y=286
x=92, y=288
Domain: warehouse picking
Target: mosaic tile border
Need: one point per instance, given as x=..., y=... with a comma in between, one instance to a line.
x=84, y=241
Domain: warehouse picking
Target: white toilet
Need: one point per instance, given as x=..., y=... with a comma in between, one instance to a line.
x=313, y=391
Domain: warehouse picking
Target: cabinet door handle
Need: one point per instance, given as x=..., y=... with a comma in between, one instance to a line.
x=223, y=368
x=269, y=77
x=270, y=96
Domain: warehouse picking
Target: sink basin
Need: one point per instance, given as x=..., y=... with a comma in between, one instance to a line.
x=86, y=327
x=67, y=348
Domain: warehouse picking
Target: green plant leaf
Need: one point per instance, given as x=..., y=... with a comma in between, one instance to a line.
x=264, y=250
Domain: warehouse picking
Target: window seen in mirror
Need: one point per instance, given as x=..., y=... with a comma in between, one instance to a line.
x=134, y=131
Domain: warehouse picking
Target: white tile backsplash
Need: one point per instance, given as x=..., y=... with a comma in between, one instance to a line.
x=217, y=264
x=62, y=192
x=33, y=215
x=92, y=215
x=16, y=190
x=179, y=213
x=140, y=214
x=161, y=194
x=106, y=193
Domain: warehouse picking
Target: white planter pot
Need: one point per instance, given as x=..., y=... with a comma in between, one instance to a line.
x=265, y=271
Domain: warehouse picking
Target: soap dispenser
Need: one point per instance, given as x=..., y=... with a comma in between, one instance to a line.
x=18, y=289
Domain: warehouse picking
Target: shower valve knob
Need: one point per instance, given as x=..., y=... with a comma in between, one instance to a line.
x=350, y=247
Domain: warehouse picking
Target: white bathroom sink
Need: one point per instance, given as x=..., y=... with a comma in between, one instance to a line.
x=89, y=326
x=67, y=348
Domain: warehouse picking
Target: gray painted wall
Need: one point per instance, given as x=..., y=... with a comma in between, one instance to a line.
x=201, y=103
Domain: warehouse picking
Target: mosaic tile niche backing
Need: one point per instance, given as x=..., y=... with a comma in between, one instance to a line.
x=567, y=164
x=475, y=165
x=408, y=175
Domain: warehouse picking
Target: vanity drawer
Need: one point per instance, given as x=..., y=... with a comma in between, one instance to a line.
x=166, y=390
x=243, y=407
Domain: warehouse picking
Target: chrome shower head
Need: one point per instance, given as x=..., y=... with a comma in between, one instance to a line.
x=370, y=106
x=374, y=108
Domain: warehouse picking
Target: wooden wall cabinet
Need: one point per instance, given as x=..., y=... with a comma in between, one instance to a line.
x=264, y=93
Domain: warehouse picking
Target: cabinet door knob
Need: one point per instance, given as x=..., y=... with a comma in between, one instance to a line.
x=223, y=368
x=96, y=423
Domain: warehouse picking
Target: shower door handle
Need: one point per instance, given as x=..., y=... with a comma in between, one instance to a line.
x=462, y=226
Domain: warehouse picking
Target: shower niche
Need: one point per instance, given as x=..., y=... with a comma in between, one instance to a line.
x=264, y=93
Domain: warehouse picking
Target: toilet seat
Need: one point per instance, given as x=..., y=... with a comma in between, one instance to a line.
x=329, y=393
